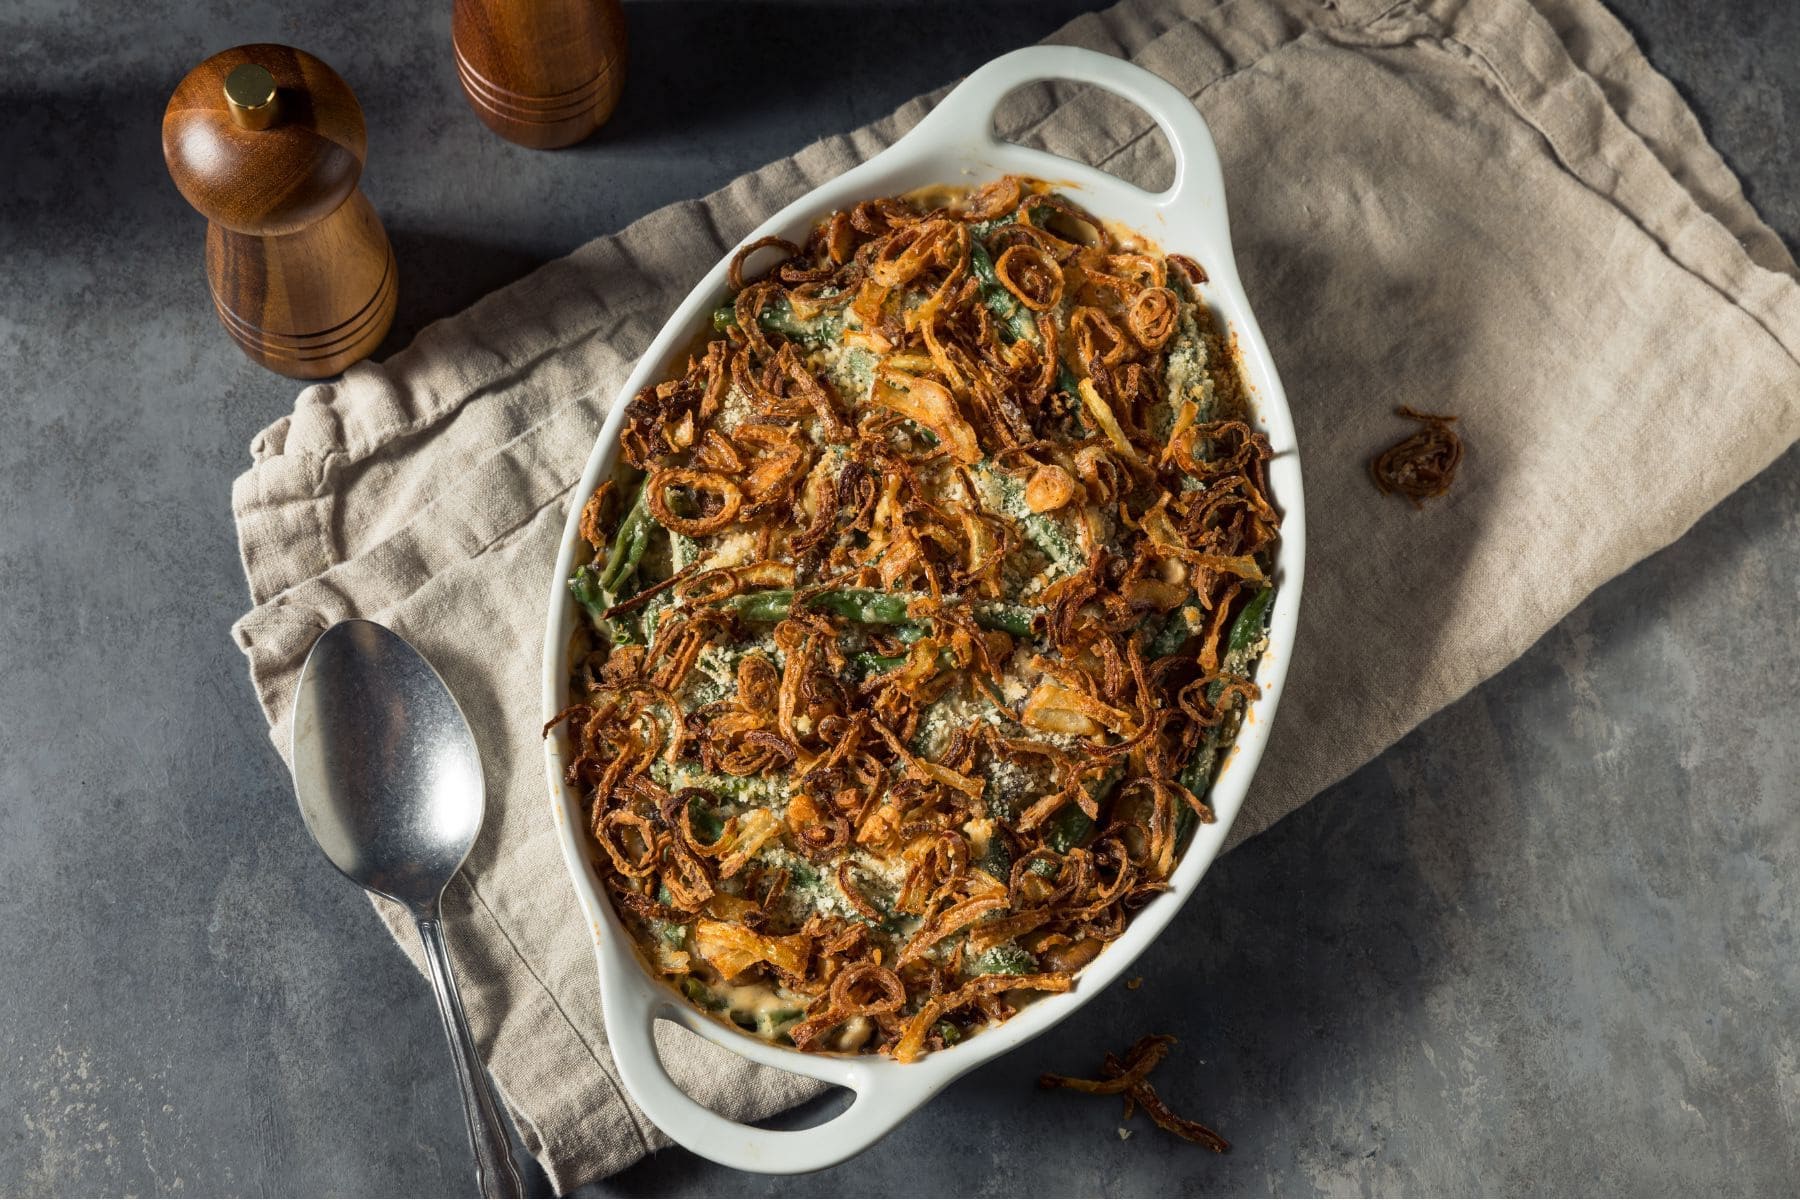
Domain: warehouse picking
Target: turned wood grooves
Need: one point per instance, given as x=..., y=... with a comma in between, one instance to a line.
x=244, y=271
x=541, y=73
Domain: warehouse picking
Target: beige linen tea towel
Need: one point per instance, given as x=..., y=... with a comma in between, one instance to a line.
x=1493, y=208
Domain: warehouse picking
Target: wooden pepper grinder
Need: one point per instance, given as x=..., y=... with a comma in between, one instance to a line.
x=542, y=73
x=268, y=142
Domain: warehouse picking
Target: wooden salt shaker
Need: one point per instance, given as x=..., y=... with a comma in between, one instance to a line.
x=542, y=73
x=268, y=143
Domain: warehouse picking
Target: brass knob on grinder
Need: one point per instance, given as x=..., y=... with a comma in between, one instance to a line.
x=250, y=94
x=267, y=142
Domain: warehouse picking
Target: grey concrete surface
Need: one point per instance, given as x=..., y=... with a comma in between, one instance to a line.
x=1547, y=944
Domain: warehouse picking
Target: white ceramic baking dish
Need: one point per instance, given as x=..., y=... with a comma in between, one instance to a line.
x=955, y=144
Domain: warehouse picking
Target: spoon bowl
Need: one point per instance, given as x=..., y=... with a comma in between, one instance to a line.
x=385, y=765
x=389, y=782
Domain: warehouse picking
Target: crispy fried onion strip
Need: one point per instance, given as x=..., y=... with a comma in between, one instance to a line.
x=1031, y=275
x=912, y=1037
x=864, y=989
x=929, y=403
x=744, y=835
x=1056, y=708
x=1153, y=317
x=1103, y=415
x=731, y=949
x=902, y=256
x=1097, y=339
x=736, y=271
x=629, y=840
x=727, y=497
x=993, y=199
x=953, y=920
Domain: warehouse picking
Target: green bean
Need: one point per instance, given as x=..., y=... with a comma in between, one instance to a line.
x=652, y=614
x=1196, y=777
x=1001, y=302
x=1175, y=631
x=684, y=551
x=700, y=994
x=585, y=586
x=1246, y=630
x=778, y=317
x=871, y=663
x=632, y=539
x=1185, y=822
x=1010, y=618
x=1042, y=531
x=1184, y=368
x=1068, y=828
x=770, y=606
x=1005, y=959
x=623, y=555
x=998, y=860
x=1198, y=773
x=600, y=585
x=1070, y=825
x=706, y=823
x=948, y=1032
x=751, y=790
x=1005, y=790
x=775, y=1022
x=866, y=606
x=1014, y=315
x=735, y=787
x=863, y=605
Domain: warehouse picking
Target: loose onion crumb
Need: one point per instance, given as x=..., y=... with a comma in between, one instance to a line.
x=1130, y=1078
x=1422, y=466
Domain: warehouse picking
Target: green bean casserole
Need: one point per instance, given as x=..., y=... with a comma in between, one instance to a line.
x=920, y=619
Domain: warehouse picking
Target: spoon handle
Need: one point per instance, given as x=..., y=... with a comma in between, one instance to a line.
x=494, y=1170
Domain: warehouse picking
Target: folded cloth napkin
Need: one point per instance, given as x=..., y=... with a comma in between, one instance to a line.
x=1491, y=208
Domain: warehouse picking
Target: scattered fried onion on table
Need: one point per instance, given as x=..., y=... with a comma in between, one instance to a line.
x=921, y=620
x=1423, y=466
x=1130, y=1079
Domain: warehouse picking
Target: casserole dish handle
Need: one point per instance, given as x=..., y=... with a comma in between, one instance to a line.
x=1198, y=187
x=877, y=1108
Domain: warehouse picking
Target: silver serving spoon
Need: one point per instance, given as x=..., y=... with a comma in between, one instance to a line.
x=390, y=785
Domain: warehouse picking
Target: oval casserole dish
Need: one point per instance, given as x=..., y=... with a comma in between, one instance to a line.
x=953, y=145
